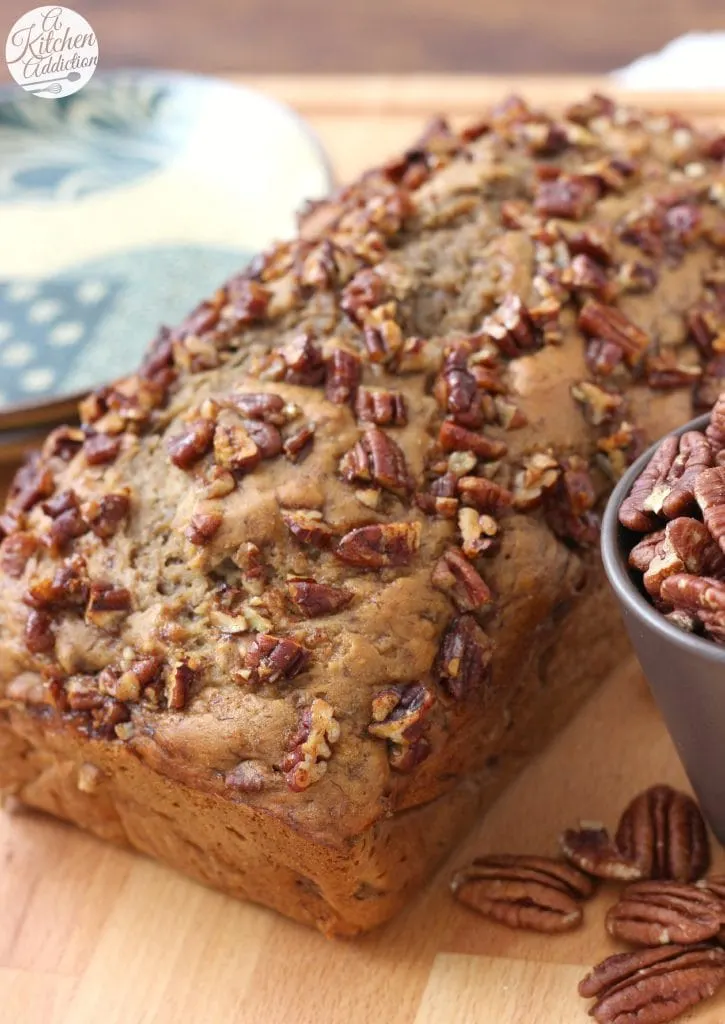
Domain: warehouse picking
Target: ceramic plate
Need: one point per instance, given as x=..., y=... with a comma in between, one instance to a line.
x=123, y=205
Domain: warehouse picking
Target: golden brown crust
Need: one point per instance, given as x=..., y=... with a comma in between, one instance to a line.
x=305, y=560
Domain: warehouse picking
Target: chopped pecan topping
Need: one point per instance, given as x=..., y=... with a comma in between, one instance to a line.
x=663, y=832
x=536, y=893
x=15, y=553
x=39, y=636
x=63, y=501
x=586, y=275
x=539, y=474
x=658, y=913
x=633, y=277
x=479, y=533
x=594, y=241
x=454, y=575
x=399, y=715
x=258, y=406
x=308, y=527
x=509, y=415
x=203, y=527
x=234, y=447
x=453, y=438
x=365, y=291
x=63, y=443
x=271, y=658
x=343, y=376
x=384, y=408
x=312, y=599
x=248, y=300
x=570, y=196
x=653, y=986
x=32, y=482
x=100, y=449
x=178, y=687
x=378, y=459
x=601, y=406
x=485, y=495
x=464, y=657
x=664, y=372
x=383, y=340
x=603, y=357
x=592, y=849
x=303, y=362
x=512, y=328
x=105, y=597
x=297, y=445
x=105, y=516
x=265, y=436
x=191, y=444
x=65, y=528
x=611, y=325
x=457, y=393
x=380, y=545
x=569, y=503
x=310, y=748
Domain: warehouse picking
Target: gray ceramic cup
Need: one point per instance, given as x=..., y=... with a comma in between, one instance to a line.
x=686, y=673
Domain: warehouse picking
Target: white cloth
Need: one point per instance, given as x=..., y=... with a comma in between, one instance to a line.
x=694, y=61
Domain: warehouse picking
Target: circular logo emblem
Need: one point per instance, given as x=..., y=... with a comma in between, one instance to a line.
x=51, y=52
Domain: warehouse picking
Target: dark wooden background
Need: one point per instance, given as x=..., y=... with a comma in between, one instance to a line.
x=485, y=36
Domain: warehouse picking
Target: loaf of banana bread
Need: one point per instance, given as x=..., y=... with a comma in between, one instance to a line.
x=298, y=598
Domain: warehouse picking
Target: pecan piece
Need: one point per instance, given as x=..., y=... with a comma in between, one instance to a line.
x=308, y=527
x=100, y=449
x=15, y=553
x=191, y=444
x=656, y=913
x=464, y=657
x=106, y=603
x=377, y=458
x=312, y=599
x=663, y=831
x=592, y=849
x=479, y=533
x=343, y=376
x=454, y=575
x=178, y=687
x=203, y=527
x=453, y=438
x=538, y=475
x=68, y=587
x=261, y=405
x=600, y=405
x=399, y=715
x=653, y=986
x=383, y=340
x=456, y=391
x=511, y=328
x=32, y=482
x=303, y=362
x=39, y=637
x=641, y=555
x=611, y=325
x=271, y=658
x=384, y=408
x=569, y=502
x=380, y=545
x=297, y=446
x=570, y=196
x=105, y=516
x=700, y=594
x=715, y=431
x=586, y=275
x=484, y=495
x=536, y=893
x=234, y=447
x=310, y=747
x=364, y=292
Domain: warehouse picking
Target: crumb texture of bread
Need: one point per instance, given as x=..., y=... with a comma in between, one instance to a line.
x=296, y=599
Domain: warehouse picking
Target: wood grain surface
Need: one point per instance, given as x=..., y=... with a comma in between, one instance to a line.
x=495, y=36
x=91, y=934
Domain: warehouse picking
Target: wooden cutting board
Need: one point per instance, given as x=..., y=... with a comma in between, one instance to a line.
x=91, y=934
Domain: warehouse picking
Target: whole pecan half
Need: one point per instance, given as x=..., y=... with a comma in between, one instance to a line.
x=656, y=913
x=454, y=575
x=384, y=408
x=380, y=545
x=699, y=594
x=666, y=486
x=192, y=444
x=715, y=430
x=464, y=657
x=653, y=986
x=310, y=746
x=686, y=546
x=536, y=893
x=308, y=527
x=343, y=376
x=716, y=885
x=663, y=831
x=592, y=849
x=399, y=715
x=15, y=553
x=710, y=496
x=641, y=555
x=377, y=459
